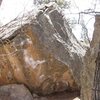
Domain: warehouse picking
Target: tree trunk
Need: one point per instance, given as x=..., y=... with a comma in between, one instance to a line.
x=96, y=87
x=0, y=2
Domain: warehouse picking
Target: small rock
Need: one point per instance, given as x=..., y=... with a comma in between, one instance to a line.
x=35, y=95
x=15, y=92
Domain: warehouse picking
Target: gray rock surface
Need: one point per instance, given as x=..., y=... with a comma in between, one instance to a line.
x=15, y=92
x=57, y=38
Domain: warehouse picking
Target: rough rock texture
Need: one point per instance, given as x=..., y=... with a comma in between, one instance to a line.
x=41, y=52
x=15, y=92
x=90, y=58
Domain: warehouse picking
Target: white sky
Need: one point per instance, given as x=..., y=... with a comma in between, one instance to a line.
x=10, y=9
x=78, y=6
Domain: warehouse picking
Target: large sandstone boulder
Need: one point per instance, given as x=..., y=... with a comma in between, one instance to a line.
x=40, y=51
x=15, y=92
x=87, y=79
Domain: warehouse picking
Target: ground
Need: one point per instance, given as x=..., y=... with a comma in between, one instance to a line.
x=61, y=96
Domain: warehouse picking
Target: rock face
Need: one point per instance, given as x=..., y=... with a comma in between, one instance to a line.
x=15, y=92
x=41, y=52
x=90, y=64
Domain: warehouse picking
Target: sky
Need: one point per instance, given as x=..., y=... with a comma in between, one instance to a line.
x=10, y=9
x=81, y=6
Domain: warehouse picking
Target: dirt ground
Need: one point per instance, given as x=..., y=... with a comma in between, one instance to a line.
x=60, y=96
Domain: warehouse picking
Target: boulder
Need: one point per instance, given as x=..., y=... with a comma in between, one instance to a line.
x=40, y=51
x=87, y=79
x=15, y=92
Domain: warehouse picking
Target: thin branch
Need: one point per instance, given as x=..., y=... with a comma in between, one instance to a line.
x=87, y=13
